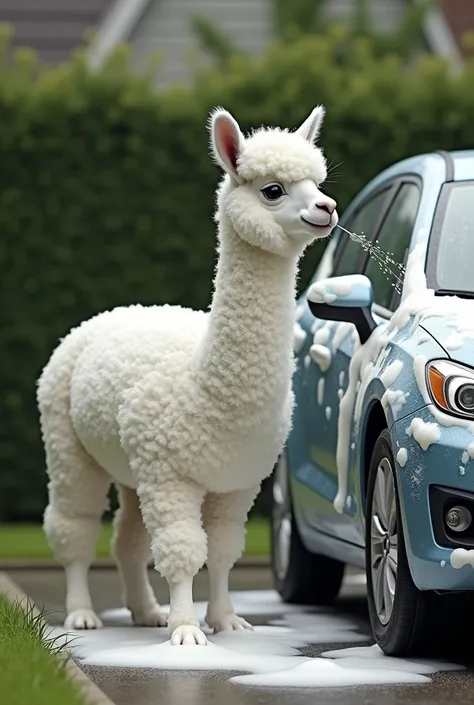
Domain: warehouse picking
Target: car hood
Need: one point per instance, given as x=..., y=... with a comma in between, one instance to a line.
x=455, y=335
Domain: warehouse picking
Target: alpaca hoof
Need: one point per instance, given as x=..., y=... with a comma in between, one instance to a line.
x=82, y=619
x=188, y=635
x=151, y=617
x=231, y=623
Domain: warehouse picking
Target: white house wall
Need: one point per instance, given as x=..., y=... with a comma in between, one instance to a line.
x=164, y=28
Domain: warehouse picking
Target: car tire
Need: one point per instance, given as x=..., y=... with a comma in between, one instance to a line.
x=405, y=621
x=299, y=576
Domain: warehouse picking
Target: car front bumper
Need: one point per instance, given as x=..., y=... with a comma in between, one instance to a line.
x=429, y=484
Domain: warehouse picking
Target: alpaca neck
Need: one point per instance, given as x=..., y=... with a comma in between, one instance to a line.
x=246, y=356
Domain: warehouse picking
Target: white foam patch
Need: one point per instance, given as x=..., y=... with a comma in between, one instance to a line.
x=320, y=393
x=269, y=654
x=350, y=667
x=453, y=342
x=328, y=413
x=391, y=374
x=402, y=457
x=266, y=649
x=395, y=399
x=322, y=356
x=425, y=433
x=299, y=336
x=461, y=557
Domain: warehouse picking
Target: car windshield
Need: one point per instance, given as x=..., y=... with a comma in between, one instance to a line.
x=455, y=257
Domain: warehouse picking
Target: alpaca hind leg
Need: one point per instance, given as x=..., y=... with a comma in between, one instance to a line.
x=131, y=548
x=172, y=514
x=224, y=521
x=77, y=490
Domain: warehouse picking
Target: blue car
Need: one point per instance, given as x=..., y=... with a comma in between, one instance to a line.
x=378, y=471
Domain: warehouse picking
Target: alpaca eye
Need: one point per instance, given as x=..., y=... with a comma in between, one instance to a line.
x=273, y=192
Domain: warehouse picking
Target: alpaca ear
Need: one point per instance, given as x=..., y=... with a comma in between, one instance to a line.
x=227, y=141
x=311, y=126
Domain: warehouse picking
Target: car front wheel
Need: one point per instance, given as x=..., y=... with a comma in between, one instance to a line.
x=405, y=621
x=299, y=576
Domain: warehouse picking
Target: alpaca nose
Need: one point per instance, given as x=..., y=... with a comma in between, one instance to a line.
x=326, y=204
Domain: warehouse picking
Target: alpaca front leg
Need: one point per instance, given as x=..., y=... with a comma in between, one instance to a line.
x=224, y=521
x=172, y=515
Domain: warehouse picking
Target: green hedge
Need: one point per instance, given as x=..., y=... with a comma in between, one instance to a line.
x=106, y=189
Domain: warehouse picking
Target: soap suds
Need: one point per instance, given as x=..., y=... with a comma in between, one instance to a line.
x=328, y=413
x=331, y=288
x=402, y=457
x=320, y=394
x=390, y=375
x=425, y=433
x=395, y=399
x=465, y=457
x=342, y=331
x=299, y=337
x=321, y=336
x=307, y=361
x=462, y=469
x=341, y=287
x=270, y=654
x=350, y=667
x=461, y=557
x=418, y=303
x=322, y=356
x=454, y=342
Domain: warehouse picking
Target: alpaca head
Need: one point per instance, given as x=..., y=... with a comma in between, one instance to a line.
x=271, y=194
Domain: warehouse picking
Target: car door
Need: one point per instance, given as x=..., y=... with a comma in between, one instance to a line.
x=334, y=344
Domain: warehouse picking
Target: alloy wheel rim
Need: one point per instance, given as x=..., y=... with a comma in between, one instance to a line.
x=281, y=519
x=384, y=542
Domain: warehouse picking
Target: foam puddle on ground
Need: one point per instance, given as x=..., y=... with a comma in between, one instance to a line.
x=269, y=654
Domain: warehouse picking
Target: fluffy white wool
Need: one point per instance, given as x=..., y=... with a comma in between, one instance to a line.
x=190, y=409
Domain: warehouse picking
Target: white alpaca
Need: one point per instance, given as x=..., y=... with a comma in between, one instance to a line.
x=186, y=411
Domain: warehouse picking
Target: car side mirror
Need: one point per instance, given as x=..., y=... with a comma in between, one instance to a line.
x=347, y=298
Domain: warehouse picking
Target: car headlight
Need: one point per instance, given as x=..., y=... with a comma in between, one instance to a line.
x=451, y=387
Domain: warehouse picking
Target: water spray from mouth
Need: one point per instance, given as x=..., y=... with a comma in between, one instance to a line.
x=393, y=270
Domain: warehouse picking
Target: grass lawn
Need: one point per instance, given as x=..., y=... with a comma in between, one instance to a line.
x=29, y=541
x=30, y=672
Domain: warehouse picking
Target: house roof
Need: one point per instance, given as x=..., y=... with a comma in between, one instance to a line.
x=54, y=28
x=459, y=16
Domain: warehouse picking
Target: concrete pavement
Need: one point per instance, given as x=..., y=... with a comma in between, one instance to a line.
x=143, y=686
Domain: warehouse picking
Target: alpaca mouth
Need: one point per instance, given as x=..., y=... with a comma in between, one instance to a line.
x=317, y=225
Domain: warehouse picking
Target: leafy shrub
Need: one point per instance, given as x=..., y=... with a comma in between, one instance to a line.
x=106, y=188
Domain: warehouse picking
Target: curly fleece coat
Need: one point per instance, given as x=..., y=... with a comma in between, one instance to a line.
x=185, y=411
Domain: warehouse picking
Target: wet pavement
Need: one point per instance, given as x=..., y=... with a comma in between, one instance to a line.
x=143, y=686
